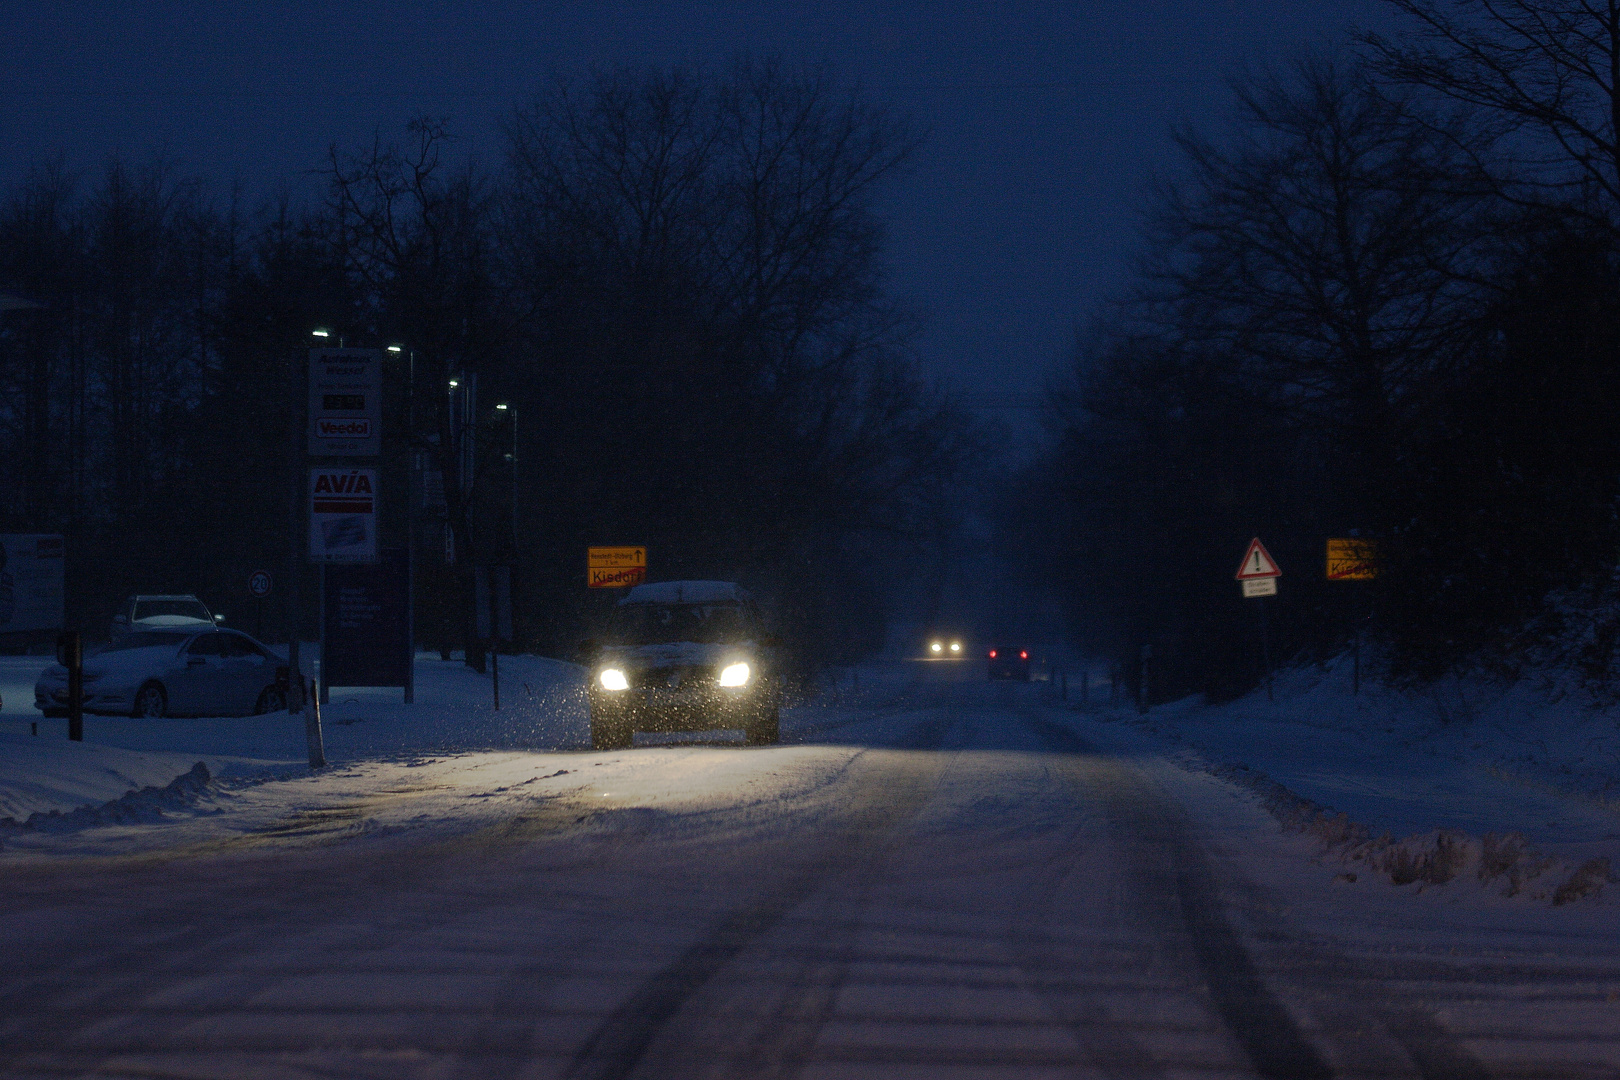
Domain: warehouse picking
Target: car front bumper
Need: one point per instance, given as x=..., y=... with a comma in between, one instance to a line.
x=706, y=708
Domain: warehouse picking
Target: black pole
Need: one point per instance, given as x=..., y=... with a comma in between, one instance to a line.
x=71, y=648
x=297, y=536
x=1265, y=646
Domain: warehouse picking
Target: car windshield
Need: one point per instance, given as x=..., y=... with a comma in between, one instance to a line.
x=659, y=624
x=189, y=609
x=143, y=639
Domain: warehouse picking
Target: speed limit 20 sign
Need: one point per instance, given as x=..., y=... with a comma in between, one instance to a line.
x=259, y=583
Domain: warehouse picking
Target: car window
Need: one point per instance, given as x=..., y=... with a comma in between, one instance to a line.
x=189, y=609
x=658, y=624
x=237, y=645
x=208, y=645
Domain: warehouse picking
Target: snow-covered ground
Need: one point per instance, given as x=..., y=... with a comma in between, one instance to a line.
x=542, y=706
x=933, y=876
x=1537, y=757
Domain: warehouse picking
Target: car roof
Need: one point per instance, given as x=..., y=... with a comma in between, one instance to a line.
x=687, y=592
x=164, y=596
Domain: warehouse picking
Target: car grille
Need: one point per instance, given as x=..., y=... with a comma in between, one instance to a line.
x=680, y=677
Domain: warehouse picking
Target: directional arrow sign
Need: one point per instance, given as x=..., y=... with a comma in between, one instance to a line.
x=1257, y=563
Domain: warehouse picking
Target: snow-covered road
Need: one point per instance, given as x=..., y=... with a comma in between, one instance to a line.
x=943, y=879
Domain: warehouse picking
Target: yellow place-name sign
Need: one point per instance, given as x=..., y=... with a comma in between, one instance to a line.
x=1352, y=560
x=617, y=578
x=615, y=567
x=611, y=558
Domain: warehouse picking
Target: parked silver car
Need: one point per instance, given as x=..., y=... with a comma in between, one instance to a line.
x=155, y=673
x=168, y=612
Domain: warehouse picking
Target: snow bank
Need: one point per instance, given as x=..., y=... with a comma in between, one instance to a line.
x=45, y=776
x=543, y=707
x=1513, y=781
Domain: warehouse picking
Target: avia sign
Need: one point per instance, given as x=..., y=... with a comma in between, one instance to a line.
x=343, y=515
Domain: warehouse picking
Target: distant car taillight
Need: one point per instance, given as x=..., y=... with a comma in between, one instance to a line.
x=992, y=654
x=1022, y=655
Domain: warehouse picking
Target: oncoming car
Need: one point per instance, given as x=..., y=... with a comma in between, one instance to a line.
x=945, y=648
x=152, y=673
x=685, y=656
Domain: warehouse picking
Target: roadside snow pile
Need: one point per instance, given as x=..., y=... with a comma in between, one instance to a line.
x=147, y=804
x=1435, y=858
x=48, y=774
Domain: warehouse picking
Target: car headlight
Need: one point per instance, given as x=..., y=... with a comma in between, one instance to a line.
x=956, y=646
x=735, y=675
x=613, y=679
x=938, y=646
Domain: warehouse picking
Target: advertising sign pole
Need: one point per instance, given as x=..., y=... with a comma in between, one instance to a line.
x=296, y=542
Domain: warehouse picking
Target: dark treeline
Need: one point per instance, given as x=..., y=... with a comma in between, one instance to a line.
x=1381, y=302
x=671, y=279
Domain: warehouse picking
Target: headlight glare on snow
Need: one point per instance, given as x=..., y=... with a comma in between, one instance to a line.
x=613, y=679
x=735, y=675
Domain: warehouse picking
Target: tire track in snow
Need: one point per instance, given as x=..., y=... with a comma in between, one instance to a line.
x=618, y=1047
x=1349, y=1003
x=1170, y=867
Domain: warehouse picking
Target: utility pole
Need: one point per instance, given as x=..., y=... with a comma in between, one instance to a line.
x=296, y=538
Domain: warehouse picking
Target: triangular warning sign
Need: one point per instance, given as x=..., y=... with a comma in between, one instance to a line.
x=1257, y=563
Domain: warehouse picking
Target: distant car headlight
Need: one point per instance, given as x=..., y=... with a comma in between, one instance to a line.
x=735, y=675
x=956, y=646
x=938, y=646
x=613, y=679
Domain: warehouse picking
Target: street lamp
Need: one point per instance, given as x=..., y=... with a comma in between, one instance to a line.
x=513, y=458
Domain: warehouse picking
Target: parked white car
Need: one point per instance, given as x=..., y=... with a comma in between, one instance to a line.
x=154, y=673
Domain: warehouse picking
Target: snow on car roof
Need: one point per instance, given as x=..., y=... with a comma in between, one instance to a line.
x=687, y=592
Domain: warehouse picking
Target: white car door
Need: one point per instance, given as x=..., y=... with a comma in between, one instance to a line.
x=248, y=671
x=200, y=686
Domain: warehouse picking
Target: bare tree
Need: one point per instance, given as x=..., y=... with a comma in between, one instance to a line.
x=1547, y=71
x=1324, y=250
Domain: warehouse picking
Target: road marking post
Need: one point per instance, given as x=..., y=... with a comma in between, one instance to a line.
x=312, y=727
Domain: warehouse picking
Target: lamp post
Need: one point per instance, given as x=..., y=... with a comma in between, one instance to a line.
x=410, y=520
x=507, y=407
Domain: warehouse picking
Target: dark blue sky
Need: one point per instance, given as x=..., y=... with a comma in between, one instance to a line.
x=1046, y=119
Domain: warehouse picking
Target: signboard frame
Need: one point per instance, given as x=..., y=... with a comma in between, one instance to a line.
x=345, y=402
x=1352, y=559
x=343, y=515
x=615, y=567
x=365, y=623
x=33, y=582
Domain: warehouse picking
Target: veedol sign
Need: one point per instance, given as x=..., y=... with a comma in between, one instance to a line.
x=345, y=402
x=343, y=515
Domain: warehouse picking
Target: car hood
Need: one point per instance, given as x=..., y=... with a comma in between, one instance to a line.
x=677, y=654
x=123, y=662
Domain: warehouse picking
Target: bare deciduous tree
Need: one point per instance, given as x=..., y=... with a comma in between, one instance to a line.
x=1548, y=72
